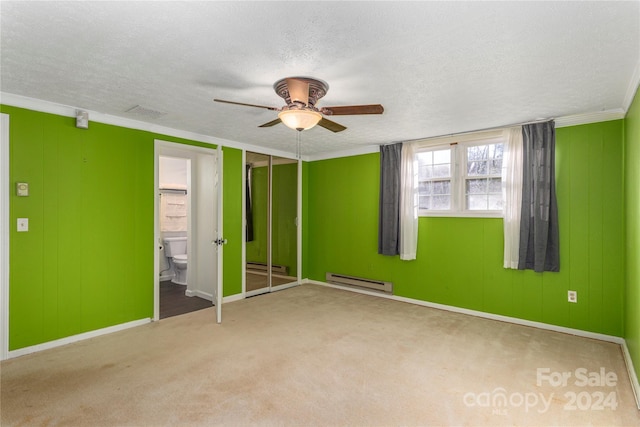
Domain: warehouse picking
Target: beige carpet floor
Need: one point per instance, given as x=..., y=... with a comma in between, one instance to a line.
x=317, y=356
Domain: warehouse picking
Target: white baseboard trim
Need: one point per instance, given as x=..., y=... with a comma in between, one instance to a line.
x=285, y=286
x=75, y=338
x=199, y=294
x=232, y=298
x=491, y=316
x=633, y=378
x=92, y=334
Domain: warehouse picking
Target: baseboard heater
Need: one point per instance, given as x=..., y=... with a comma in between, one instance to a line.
x=378, y=285
x=259, y=266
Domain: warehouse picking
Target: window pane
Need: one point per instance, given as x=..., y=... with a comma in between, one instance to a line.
x=476, y=186
x=433, y=166
x=476, y=202
x=499, y=151
x=441, y=171
x=441, y=187
x=441, y=202
x=425, y=188
x=425, y=172
x=478, y=152
x=442, y=156
x=424, y=202
x=495, y=167
x=477, y=168
x=425, y=158
x=495, y=202
x=495, y=185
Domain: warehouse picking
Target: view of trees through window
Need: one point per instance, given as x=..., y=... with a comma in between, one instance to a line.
x=434, y=177
x=460, y=177
x=483, y=183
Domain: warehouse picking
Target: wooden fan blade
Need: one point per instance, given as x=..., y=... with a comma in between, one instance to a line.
x=271, y=123
x=298, y=90
x=332, y=126
x=247, y=105
x=353, y=110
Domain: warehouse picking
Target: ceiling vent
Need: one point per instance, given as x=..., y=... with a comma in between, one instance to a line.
x=145, y=112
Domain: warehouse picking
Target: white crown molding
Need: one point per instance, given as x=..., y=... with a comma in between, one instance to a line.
x=586, y=118
x=632, y=89
x=94, y=116
x=69, y=111
x=366, y=149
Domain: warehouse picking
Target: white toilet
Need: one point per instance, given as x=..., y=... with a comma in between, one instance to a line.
x=175, y=248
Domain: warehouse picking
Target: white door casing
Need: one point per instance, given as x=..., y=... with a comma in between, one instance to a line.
x=203, y=206
x=4, y=239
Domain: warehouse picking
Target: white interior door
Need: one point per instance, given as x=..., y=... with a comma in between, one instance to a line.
x=202, y=278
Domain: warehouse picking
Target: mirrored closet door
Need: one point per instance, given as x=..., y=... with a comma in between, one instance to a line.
x=271, y=230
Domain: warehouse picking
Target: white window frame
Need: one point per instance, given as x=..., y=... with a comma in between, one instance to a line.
x=458, y=171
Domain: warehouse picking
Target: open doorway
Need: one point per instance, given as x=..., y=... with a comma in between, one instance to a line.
x=174, y=178
x=186, y=229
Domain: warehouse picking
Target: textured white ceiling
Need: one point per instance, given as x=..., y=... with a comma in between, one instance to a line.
x=437, y=67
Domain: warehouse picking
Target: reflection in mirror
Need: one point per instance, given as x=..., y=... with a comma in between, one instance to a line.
x=284, y=240
x=257, y=192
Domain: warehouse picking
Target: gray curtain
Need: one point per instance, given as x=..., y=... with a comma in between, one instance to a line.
x=539, y=241
x=389, y=218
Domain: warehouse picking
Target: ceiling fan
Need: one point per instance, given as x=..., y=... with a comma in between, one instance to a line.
x=301, y=95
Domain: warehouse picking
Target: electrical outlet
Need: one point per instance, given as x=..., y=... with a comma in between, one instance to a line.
x=572, y=296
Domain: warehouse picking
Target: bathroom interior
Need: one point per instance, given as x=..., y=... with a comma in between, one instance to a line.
x=173, y=174
x=271, y=230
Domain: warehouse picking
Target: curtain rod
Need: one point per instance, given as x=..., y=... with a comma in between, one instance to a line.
x=478, y=130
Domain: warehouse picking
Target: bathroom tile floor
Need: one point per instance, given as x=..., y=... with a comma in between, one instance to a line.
x=174, y=302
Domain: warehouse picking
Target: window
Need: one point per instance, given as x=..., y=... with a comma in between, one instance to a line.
x=483, y=178
x=461, y=178
x=434, y=174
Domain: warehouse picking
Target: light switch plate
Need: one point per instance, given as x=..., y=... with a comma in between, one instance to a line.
x=23, y=224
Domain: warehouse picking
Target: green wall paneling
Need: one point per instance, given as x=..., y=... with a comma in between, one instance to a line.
x=460, y=259
x=632, y=222
x=86, y=262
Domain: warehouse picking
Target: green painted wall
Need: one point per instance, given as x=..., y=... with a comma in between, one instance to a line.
x=460, y=259
x=284, y=195
x=632, y=206
x=87, y=261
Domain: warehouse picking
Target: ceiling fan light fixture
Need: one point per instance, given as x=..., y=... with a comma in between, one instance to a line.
x=300, y=119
